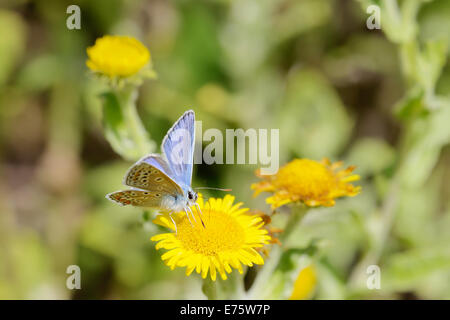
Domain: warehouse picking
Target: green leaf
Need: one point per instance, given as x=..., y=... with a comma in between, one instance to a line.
x=314, y=120
x=434, y=19
x=425, y=139
x=12, y=42
x=430, y=64
x=41, y=73
x=404, y=271
x=300, y=17
x=280, y=285
x=411, y=106
x=362, y=155
x=330, y=284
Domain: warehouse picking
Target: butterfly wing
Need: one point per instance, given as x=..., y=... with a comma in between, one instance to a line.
x=178, y=148
x=152, y=174
x=157, y=177
x=138, y=198
x=156, y=161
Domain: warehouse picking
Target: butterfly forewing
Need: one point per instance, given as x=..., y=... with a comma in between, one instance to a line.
x=159, y=162
x=145, y=176
x=178, y=147
x=137, y=198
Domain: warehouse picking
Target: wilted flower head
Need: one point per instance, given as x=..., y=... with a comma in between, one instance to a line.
x=227, y=240
x=311, y=182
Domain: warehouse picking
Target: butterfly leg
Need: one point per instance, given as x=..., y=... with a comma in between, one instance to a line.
x=173, y=221
x=189, y=218
x=192, y=213
x=201, y=213
x=201, y=220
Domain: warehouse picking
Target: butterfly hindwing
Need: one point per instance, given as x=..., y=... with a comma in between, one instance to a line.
x=143, y=175
x=139, y=198
x=178, y=147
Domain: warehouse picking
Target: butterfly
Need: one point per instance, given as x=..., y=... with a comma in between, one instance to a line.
x=164, y=181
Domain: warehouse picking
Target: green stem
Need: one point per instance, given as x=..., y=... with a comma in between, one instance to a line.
x=209, y=288
x=372, y=257
x=298, y=212
x=233, y=287
x=393, y=11
x=137, y=133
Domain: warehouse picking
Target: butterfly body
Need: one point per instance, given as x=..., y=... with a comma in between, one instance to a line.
x=175, y=203
x=164, y=181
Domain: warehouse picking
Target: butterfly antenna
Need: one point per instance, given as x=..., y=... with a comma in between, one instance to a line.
x=220, y=189
x=198, y=208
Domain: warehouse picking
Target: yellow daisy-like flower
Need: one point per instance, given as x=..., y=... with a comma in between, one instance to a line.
x=117, y=56
x=311, y=182
x=227, y=240
x=305, y=284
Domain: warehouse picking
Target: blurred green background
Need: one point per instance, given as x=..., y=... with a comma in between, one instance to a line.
x=377, y=99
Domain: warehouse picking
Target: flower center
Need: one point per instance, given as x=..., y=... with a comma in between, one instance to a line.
x=306, y=178
x=221, y=233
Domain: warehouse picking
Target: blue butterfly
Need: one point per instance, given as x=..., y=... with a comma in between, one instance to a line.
x=164, y=182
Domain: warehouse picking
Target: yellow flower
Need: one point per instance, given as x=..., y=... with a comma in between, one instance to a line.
x=305, y=284
x=227, y=240
x=312, y=182
x=117, y=56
